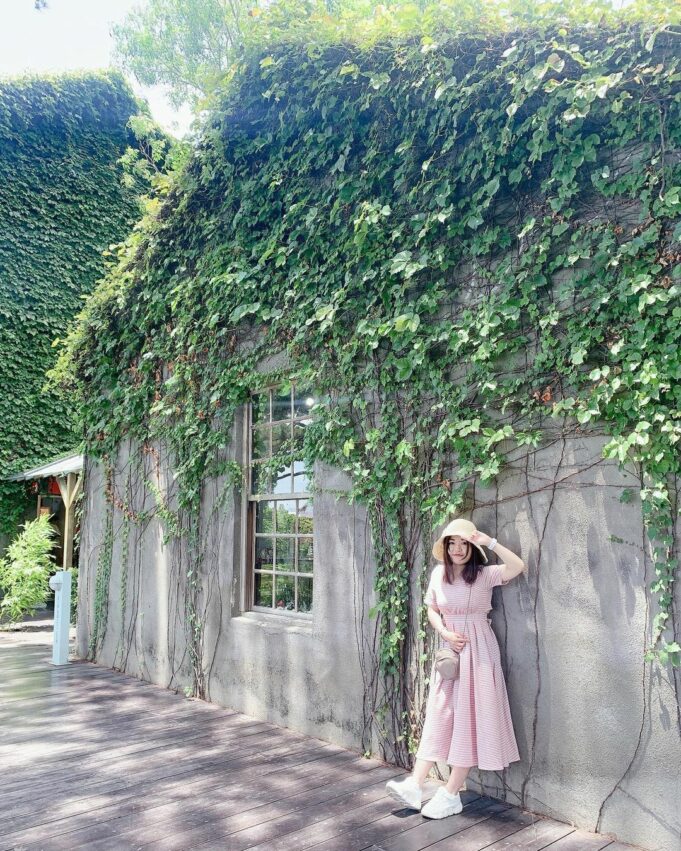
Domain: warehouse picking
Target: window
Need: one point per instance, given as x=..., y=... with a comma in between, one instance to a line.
x=280, y=505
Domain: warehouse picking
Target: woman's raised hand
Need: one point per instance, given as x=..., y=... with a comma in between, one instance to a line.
x=456, y=639
x=478, y=537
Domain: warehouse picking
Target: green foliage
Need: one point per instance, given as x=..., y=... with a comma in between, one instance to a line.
x=456, y=242
x=184, y=44
x=61, y=204
x=25, y=570
x=188, y=45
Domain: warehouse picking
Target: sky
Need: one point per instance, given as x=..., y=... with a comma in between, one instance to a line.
x=73, y=35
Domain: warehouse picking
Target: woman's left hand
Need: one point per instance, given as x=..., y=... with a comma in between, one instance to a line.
x=478, y=537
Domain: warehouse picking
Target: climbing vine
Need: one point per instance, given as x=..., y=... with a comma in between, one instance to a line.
x=458, y=241
x=62, y=203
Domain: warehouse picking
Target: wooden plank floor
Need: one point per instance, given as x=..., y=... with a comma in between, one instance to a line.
x=98, y=760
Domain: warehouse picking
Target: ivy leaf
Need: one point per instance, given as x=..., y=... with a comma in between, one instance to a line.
x=406, y=321
x=399, y=262
x=556, y=62
x=527, y=227
x=244, y=310
x=442, y=88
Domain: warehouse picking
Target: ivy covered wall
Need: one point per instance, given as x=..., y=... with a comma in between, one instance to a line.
x=62, y=203
x=469, y=246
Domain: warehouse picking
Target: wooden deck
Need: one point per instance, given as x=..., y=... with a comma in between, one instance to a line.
x=98, y=760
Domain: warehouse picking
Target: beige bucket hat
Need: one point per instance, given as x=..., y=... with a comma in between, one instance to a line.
x=456, y=527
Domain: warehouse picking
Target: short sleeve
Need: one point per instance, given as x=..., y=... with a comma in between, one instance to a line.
x=429, y=597
x=493, y=575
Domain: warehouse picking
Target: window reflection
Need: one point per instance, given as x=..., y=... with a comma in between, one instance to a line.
x=264, y=517
x=281, y=407
x=263, y=590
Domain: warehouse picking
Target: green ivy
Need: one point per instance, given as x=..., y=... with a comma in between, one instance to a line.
x=62, y=203
x=456, y=242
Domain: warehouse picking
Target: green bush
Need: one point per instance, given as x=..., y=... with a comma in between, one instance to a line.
x=25, y=570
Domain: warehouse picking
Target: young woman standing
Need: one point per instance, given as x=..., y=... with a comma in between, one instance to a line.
x=468, y=720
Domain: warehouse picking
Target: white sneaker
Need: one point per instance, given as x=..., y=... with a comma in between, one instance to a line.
x=407, y=792
x=442, y=804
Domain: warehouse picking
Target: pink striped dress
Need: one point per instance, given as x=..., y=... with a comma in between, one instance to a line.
x=468, y=720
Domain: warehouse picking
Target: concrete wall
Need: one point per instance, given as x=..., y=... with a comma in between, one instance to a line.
x=297, y=671
x=598, y=729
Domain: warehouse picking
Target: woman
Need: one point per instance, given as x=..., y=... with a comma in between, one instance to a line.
x=468, y=720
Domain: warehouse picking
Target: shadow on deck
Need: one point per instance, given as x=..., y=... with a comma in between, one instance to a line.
x=99, y=760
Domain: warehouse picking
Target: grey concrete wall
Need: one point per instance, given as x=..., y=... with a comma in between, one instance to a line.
x=598, y=729
x=300, y=672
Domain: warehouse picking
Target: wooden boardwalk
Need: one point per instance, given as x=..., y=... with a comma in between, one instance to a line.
x=93, y=759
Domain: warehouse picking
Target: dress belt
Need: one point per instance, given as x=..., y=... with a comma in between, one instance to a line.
x=463, y=614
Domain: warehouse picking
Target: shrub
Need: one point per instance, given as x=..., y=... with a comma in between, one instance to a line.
x=25, y=570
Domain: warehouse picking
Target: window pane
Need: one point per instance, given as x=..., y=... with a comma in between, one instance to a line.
x=283, y=482
x=281, y=434
x=260, y=408
x=286, y=516
x=284, y=593
x=305, y=555
x=302, y=403
x=260, y=443
x=263, y=590
x=281, y=405
x=301, y=479
x=264, y=517
x=305, y=516
x=304, y=594
x=264, y=554
x=285, y=554
x=260, y=481
x=299, y=432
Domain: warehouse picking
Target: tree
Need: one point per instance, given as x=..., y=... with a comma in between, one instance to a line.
x=189, y=45
x=183, y=44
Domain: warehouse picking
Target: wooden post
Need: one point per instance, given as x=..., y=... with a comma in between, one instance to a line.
x=70, y=488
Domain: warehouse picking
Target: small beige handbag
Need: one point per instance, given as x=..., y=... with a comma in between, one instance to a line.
x=447, y=661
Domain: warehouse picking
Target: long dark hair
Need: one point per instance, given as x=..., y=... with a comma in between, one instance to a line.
x=470, y=570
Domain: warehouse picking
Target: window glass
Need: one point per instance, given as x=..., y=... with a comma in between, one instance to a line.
x=260, y=408
x=282, y=519
x=281, y=407
x=301, y=479
x=264, y=517
x=305, y=516
x=286, y=516
x=281, y=437
x=305, y=555
x=261, y=482
x=283, y=483
x=264, y=553
x=263, y=590
x=260, y=446
x=286, y=549
x=302, y=403
x=304, y=594
x=285, y=593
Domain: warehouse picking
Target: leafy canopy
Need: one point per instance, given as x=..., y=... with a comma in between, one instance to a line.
x=188, y=45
